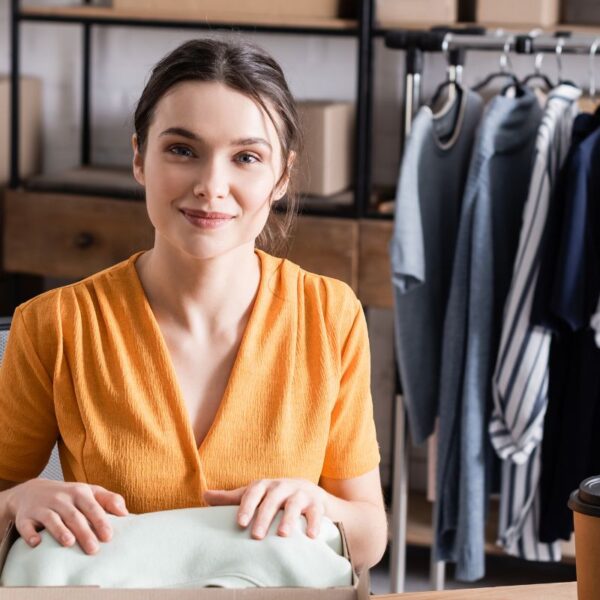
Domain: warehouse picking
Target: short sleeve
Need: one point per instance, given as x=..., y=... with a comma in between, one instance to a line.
x=27, y=416
x=352, y=447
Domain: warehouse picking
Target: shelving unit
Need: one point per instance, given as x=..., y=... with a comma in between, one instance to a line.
x=352, y=205
x=211, y=20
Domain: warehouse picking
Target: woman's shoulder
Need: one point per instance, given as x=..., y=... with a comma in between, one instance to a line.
x=331, y=297
x=62, y=302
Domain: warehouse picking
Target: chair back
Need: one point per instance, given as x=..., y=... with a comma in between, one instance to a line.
x=53, y=469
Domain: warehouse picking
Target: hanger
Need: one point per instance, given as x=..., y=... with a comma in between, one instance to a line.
x=537, y=73
x=558, y=52
x=590, y=103
x=504, y=72
x=453, y=73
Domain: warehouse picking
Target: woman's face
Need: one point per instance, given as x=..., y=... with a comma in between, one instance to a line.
x=210, y=167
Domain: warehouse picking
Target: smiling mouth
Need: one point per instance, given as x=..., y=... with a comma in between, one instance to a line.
x=201, y=214
x=207, y=220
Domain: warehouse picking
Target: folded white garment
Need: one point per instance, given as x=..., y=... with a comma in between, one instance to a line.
x=185, y=548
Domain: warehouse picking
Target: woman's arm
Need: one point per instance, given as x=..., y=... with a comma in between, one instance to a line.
x=358, y=504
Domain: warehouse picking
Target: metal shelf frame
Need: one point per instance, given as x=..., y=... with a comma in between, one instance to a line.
x=363, y=33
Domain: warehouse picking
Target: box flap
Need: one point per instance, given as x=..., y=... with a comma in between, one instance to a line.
x=9, y=536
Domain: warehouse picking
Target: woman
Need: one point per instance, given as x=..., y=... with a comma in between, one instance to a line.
x=203, y=371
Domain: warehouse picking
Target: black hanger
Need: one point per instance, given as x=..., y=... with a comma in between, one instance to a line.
x=440, y=88
x=544, y=78
x=454, y=58
x=493, y=76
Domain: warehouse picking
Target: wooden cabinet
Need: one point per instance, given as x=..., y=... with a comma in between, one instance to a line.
x=374, y=282
x=327, y=246
x=72, y=236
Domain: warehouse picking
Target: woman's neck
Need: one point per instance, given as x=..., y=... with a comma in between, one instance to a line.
x=199, y=294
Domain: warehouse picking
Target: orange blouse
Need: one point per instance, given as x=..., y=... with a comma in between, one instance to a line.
x=86, y=365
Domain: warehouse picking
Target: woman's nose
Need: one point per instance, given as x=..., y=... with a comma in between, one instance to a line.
x=212, y=181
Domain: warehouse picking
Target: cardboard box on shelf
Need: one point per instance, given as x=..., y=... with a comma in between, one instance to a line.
x=581, y=12
x=416, y=11
x=30, y=127
x=235, y=8
x=358, y=591
x=516, y=12
x=325, y=167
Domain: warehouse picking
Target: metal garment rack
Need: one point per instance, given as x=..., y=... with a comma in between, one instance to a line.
x=454, y=43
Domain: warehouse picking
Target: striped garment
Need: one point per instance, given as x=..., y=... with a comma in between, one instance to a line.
x=520, y=381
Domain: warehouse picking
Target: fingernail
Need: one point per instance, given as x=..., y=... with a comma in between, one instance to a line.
x=33, y=541
x=93, y=547
x=284, y=529
x=259, y=532
x=312, y=533
x=66, y=538
x=243, y=519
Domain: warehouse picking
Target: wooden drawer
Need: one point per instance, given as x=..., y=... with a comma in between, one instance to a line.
x=374, y=283
x=327, y=246
x=70, y=236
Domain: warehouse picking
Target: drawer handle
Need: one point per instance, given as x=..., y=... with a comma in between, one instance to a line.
x=84, y=240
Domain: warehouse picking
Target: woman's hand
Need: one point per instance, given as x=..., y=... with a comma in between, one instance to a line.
x=69, y=511
x=262, y=499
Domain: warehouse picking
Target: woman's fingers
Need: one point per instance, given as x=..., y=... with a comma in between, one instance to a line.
x=276, y=495
x=109, y=501
x=250, y=500
x=313, y=514
x=52, y=521
x=291, y=514
x=95, y=514
x=27, y=530
x=78, y=524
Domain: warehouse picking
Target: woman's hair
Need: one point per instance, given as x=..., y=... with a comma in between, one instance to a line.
x=247, y=69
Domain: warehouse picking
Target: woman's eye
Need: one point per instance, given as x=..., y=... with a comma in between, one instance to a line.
x=247, y=159
x=181, y=151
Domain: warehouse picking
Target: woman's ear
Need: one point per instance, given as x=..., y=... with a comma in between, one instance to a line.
x=284, y=182
x=138, y=161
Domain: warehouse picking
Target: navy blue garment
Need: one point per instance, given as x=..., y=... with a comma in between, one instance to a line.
x=545, y=311
x=571, y=445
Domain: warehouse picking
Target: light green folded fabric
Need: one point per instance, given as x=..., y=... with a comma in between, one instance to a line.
x=185, y=548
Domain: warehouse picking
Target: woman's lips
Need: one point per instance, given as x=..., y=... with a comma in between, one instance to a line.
x=207, y=220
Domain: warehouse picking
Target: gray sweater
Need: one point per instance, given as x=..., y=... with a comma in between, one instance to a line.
x=430, y=191
x=487, y=242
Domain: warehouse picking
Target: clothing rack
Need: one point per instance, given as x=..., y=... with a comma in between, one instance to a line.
x=454, y=43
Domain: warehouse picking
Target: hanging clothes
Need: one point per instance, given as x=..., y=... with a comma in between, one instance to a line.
x=595, y=324
x=430, y=190
x=571, y=446
x=520, y=378
x=487, y=241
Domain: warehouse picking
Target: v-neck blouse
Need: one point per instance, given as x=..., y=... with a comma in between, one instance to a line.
x=87, y=366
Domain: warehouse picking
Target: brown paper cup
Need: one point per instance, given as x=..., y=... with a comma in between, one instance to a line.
x=585, y=504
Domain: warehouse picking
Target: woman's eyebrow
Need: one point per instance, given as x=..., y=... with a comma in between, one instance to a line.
x=251, y=141
x=186, y=133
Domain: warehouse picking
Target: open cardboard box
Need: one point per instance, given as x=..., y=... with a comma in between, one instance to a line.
x=358, y=591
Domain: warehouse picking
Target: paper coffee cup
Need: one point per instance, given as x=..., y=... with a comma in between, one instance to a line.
x=585, y=504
